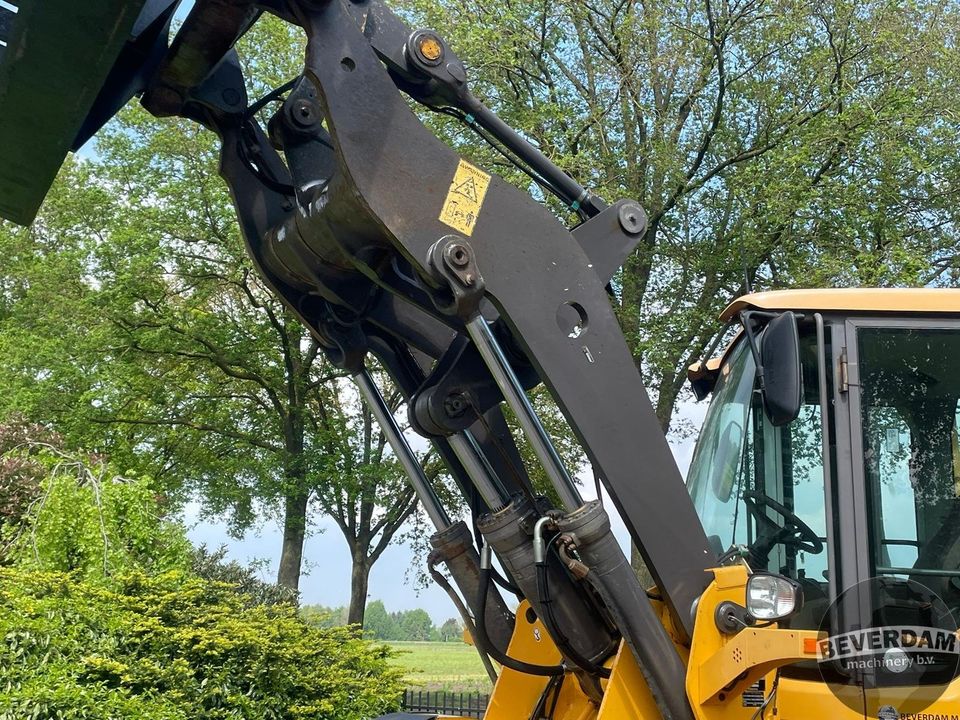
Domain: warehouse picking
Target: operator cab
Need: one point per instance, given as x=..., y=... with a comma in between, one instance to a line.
x=862, y=485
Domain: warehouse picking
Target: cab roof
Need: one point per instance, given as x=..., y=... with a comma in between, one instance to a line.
x=851, y=300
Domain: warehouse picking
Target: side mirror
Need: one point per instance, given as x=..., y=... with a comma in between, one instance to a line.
x=780, y=360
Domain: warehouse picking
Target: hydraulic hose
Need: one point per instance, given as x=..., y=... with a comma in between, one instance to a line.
x=610, y=573
x=553, y=687
x=495, y=575
x=549, y=619
x=561, y=641
x=508, y=533
x=464, y=615
x=454, y=548
x=488, y=647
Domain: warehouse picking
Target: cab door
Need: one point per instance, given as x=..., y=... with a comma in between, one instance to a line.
x=898, y=503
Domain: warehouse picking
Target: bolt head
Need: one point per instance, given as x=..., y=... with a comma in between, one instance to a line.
x=428, y=47
x=632, y=218
x=458, y=255
x=455, y=404
x=303, y=113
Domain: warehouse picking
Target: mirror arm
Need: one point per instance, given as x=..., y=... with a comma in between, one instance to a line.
x=746, y=320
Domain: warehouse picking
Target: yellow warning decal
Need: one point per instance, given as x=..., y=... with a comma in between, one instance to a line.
x=465, y=198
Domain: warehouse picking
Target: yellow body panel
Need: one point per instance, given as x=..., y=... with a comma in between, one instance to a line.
x=627, y=694
x=720, y=668
x=514, y=691
x=853, y=300
x=516, y=694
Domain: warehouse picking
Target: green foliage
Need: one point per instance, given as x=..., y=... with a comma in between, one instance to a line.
x=131, y=319
x=450, y=631
x=415, y=625
x=89, y=521
x=324, y=617
x=210, y=565
x=20, y=471
x=174, y=647
x=107, y=614
x=782, y=143
x=380, y=624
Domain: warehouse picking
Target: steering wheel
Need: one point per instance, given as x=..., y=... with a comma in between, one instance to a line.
x=794, y=531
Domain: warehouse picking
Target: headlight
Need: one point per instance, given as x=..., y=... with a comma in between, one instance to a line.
x=772, y=597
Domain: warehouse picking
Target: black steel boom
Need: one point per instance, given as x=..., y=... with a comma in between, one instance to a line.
x=386, y=243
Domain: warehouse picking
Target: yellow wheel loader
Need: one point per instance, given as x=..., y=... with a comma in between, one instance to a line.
x=810, y=565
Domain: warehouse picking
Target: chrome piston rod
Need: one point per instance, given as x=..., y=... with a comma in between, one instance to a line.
x=403, y=451
x=452, y=543
x=517, y=399
x=481, y=474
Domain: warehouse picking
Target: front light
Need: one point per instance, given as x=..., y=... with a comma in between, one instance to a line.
x=772, y=597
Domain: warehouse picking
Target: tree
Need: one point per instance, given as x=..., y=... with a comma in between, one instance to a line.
x=451, y=630
x=771, y=143
x=20, y=470
x=325, y=617
x=379, y=624
x=371, y=499
x=196, y=375
x=192, y=372
x=416, y=625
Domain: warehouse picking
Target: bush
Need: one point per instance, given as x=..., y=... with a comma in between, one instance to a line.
x=89, y=521
x=210, y=565
x=20, y=470
x=174, y=647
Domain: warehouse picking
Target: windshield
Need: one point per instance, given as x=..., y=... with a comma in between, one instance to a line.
x=761, y=487
x=718, y=460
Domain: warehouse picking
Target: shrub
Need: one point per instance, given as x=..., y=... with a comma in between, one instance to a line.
x=210, y=565
x=20, y=470
x=173, y=647
x=90, y=521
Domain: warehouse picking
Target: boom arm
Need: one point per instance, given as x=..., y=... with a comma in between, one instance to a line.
x=385, y=242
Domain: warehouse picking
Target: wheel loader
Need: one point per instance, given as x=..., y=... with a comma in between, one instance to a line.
x=810, y=565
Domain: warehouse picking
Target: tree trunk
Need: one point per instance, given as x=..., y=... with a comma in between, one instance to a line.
x=359, y=581
x=294, y=532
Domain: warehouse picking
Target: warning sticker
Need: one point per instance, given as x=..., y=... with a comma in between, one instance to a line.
x=465, y=198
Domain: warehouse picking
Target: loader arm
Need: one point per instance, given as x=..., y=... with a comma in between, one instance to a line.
x=386, y=243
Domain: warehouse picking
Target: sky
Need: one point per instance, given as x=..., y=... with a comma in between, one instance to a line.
x=327, y=560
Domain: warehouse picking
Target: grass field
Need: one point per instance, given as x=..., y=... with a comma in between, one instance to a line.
x=451, y=666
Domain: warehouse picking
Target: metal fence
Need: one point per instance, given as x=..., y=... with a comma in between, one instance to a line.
x=472, y=705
